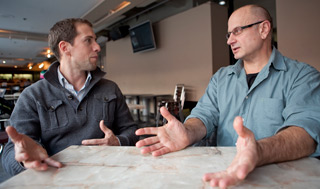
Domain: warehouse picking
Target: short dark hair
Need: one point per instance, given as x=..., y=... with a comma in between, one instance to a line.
x=64, y=30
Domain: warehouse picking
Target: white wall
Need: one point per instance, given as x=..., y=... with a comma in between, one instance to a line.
x=183, y=55
x=298, y=29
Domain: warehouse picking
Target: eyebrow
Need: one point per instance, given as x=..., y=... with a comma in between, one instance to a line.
x=90, y=37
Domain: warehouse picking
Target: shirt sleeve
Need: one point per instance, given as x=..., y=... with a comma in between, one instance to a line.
x=303, y=104
x=207, y=108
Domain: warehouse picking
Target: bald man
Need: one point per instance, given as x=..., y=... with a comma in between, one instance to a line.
x=266, y=104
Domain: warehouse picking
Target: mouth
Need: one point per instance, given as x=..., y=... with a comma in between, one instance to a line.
x=235, y=49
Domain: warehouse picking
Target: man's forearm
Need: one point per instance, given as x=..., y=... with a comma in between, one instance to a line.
x=289, y=144
x=196, y=130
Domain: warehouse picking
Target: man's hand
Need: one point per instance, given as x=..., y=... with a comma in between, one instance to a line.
x=243, y=163
x=109, y=139
x=168, y=138
x=30, y=153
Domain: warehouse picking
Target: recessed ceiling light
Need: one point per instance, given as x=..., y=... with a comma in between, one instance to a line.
x=222, y=2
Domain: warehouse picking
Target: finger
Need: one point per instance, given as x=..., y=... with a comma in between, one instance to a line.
x=53, y=163
x=238, y=126
x=223, y=183
x=207, y=177
x=214, y=182
x=93, y=142
x=151, y=148
x=161, y=151
x=13, y=134
x=242, y=172
x=20, y=157
x=36, y=165
x=166, y=114
x=104, y=128
x=241, y=130
x=147, y=141
x=147, y=131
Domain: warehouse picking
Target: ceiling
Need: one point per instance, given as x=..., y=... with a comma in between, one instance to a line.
x=24, y=24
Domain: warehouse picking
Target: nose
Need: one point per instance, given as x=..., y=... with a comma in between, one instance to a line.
x=96, y=47
x=231, y=39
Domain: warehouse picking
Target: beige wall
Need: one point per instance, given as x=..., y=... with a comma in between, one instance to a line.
x=184, y=54
x=298, y=29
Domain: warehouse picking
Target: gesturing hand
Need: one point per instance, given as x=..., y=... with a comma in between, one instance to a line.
x=30, y=153
x=109, y=139
x=243, y=163
x=169, y=138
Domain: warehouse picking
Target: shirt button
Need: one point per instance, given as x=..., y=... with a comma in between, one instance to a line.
x=247, y=97
x=70, y=97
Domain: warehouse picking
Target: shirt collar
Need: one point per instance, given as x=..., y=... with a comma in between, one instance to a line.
x=63, y=81
x=276, y=60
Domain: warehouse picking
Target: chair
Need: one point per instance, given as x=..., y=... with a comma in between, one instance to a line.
x=15, y=89
x=3, y=140
x=174, y=106
x=2, y=92
x=5, y=112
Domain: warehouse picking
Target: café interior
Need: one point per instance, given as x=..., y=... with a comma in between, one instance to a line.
x=186, y=46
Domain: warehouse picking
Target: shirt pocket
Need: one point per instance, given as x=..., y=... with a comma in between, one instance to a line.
x=104, y=108
x=53, y=115
x=269, y=111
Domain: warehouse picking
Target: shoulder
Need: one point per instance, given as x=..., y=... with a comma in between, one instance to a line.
x=107, y=83
x=223, y=72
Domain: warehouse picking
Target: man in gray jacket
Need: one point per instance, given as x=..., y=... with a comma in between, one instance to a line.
x=73, y=105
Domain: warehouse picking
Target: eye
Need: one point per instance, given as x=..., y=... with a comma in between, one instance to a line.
x=237, y=30
x=88, y=40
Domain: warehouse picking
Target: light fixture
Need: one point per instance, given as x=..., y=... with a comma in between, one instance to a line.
x=120, y=7
x=15, y=66
x=48, y=53
x=222, y=2
x=41, y=65
x=4, y=61
x=30, y=67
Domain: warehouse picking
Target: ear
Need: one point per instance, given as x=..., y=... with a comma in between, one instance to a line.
x=265, y=29
x=64, y=48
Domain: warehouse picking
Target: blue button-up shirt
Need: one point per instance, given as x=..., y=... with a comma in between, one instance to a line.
x=285, y=93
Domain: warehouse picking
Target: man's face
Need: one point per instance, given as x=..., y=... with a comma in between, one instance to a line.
x=85, y=49
x=246, y=43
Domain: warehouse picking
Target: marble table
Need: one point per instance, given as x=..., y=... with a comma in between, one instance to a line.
x=125, y=167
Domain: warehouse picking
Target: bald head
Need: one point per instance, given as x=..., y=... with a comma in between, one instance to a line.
x=250, y=14
x=254, y=12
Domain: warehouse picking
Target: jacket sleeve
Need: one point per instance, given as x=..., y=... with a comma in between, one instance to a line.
x=25, y=120
x=125, y=126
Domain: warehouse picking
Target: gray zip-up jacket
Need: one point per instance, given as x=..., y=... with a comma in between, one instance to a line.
x=52, y=116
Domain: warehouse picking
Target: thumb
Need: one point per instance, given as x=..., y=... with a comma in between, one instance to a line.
x=166, y=114
x=238, y=126
x=13, y=134
x=104, y=128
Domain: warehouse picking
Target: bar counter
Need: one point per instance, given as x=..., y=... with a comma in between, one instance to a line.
x=125, y=167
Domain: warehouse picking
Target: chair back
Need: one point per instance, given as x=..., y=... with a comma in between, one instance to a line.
x=2, y=92
x=174, y=106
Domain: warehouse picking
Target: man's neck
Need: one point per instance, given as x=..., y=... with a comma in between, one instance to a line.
x=75, y=77
x=256, y=63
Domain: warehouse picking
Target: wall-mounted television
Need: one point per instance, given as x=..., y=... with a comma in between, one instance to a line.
x=142, y=38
